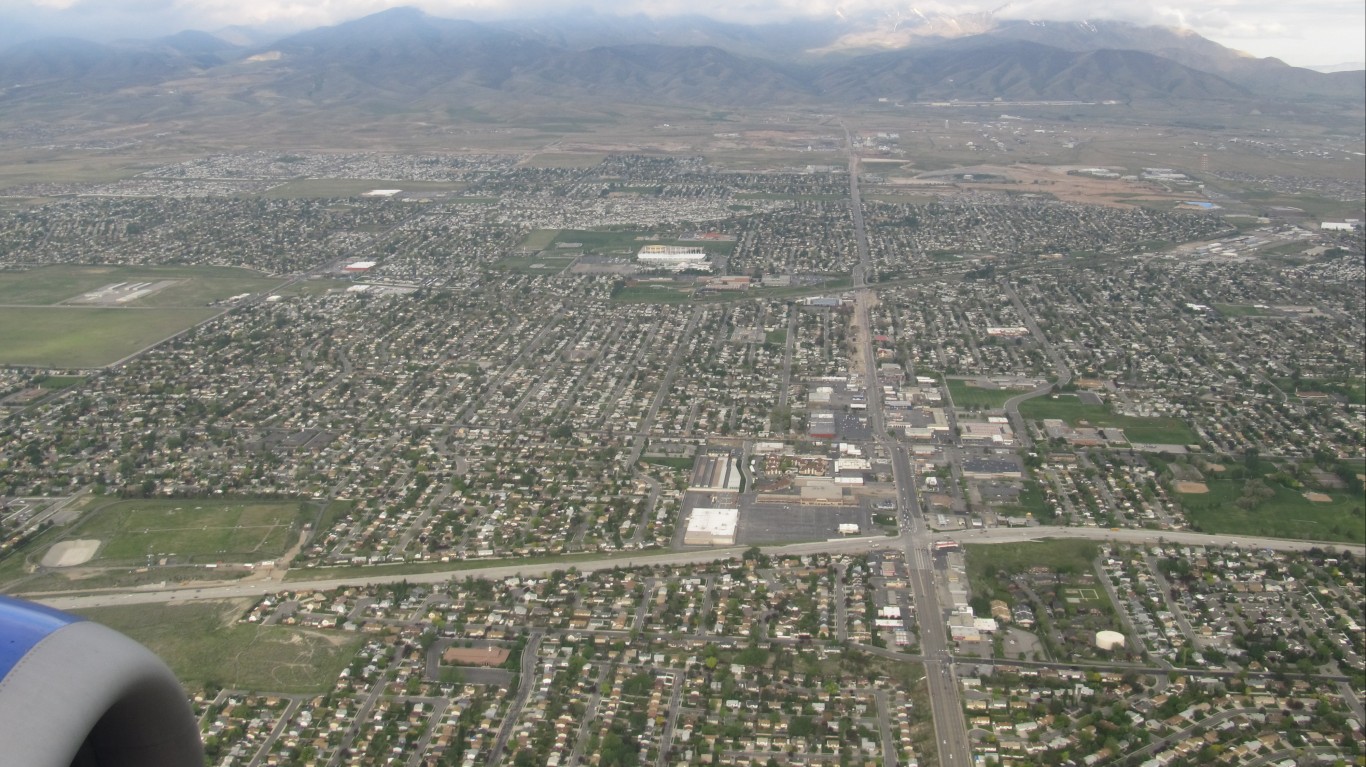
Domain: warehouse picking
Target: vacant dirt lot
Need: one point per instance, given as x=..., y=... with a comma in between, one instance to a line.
x=71, y=553
x=475, y=656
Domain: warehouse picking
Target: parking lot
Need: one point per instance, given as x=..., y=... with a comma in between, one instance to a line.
x=782, y=522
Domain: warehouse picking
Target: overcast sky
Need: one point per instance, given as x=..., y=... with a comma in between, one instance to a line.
x=1301, y=32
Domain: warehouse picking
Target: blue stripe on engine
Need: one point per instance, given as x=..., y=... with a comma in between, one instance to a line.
x=23, y=625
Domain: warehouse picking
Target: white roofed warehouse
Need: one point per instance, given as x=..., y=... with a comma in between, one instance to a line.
x=675, y=257
x=711, y=527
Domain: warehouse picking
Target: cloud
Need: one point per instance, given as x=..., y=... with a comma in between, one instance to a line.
x=1306, y=31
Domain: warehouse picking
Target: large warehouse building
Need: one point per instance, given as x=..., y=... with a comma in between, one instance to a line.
x=673, y=257
x=711, y=527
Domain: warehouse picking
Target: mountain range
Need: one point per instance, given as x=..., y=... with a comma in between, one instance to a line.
x=405, y=59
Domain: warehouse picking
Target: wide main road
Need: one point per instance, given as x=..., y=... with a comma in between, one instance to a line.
x=209, y=590
x=950, y=726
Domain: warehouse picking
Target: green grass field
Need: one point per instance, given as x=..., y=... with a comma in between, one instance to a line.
x=194, y=530
x=539, y=239
x=535, y=264
x=967, y=396
x=678, y=463
x=991, y=565
x=49, y=285
x=1165, y=431
x=203, y=644
x=1030, y=501
x=61, y=382
x=652, y=294
x=1287, y=514
x=35, y=330
x=64, y=337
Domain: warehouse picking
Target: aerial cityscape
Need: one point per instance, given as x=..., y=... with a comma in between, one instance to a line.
x=595, y=404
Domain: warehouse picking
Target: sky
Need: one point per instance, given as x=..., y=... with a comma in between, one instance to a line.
x=1300, y=32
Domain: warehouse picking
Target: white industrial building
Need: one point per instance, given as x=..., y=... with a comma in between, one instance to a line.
x=677, y=257
x=711, y=527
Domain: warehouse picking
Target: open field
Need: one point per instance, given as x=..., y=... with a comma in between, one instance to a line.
x=535, y=264
x=565, y=160
x=48, y=165
x=315, y=286
x=1056, y=182
x=195, y=285
x=775, y=159
x=966, y=395
x=990, y=567
x=191, y=530
x=680, y=463
x=906, y=198
x=539, y=239
x=1287, y=514
x=652, y=294
x=35, y=331
x=61, y=382
x=61, y=337
x=1164, y=431
x=1319, y=208
x=204, y=645
x=1030, y=501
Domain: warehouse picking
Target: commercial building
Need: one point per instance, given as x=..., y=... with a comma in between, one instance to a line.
x=821, y=426
x=667, y=255
x=711, y=527
x=716, y=472
x=996, y=432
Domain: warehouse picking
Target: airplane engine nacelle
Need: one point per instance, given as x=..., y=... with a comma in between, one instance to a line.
x=77, y=694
